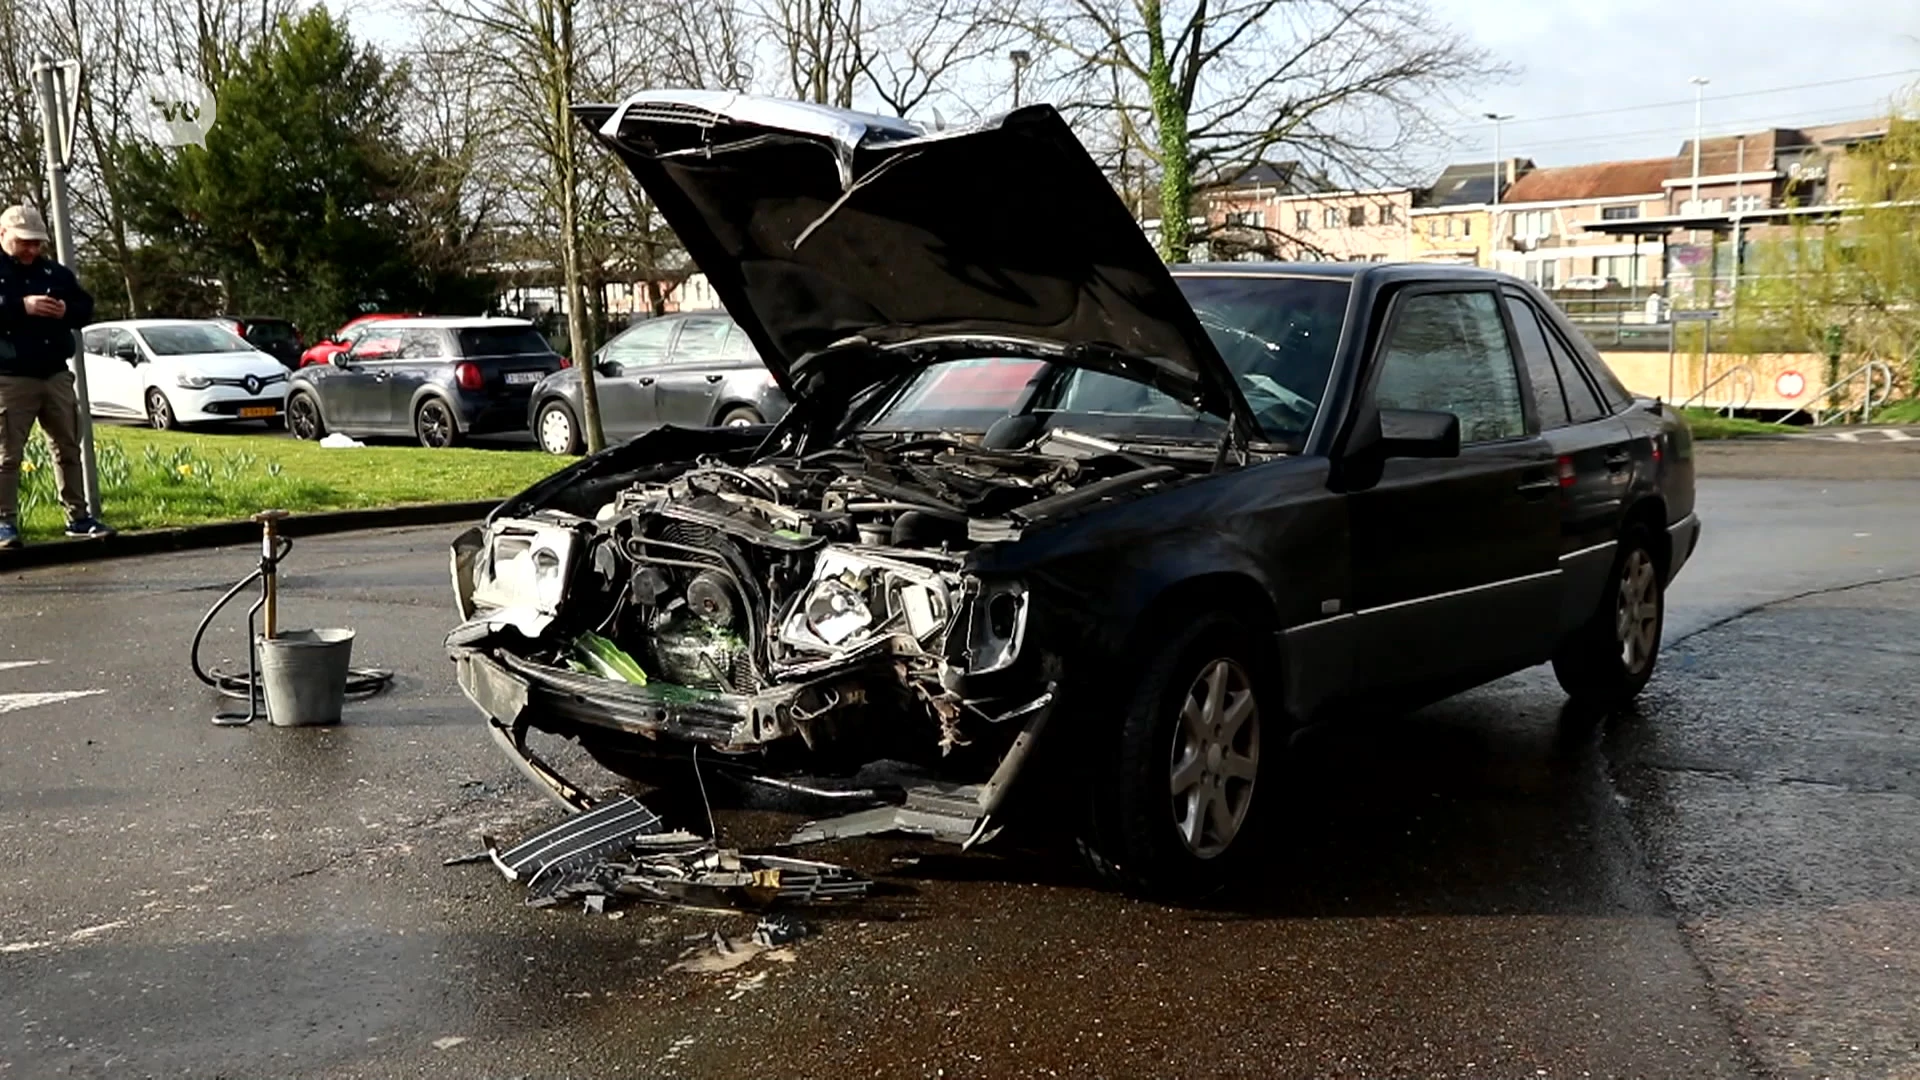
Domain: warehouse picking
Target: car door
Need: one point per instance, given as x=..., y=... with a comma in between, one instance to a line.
x=421, y=355
x=626, y=373
x=1454, y=559
x=355, y=394
x=689, y=383
x=107, y=374
x=1592, y=459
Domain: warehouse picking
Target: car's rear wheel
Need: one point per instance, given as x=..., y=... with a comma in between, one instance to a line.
x=1180, y=805
x=555, y=429
x=434, y=426
x=1611, y=658
x=303, y=417
x=741, y=416
x=160, y=416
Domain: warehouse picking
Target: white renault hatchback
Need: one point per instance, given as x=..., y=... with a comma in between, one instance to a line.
x=180, y=371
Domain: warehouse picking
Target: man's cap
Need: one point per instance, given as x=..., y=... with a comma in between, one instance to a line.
x=24, y=222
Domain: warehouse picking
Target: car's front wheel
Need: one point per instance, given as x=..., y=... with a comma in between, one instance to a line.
x=160, y=415
x=303, y=417
x=741, y=416
x=1181, y=803
x=555, y=429
x=434, y=426
x=1610, y=659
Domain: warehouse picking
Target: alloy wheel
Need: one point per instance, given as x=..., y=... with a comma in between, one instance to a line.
x=435, y=426
x=1636, y=620
x=1216, y=758
x=303, y=417
x=159, y=411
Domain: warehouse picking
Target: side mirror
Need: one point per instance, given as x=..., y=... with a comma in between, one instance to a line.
x=1418, y=433
x=609, y=368
x=128, y=353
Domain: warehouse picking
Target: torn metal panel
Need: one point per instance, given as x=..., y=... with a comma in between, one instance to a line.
x=579, y=841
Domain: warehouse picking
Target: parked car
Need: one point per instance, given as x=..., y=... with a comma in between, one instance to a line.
x=277, y=338
x=324, y=350
x=693, y=370
x=1227, y=501
x=438, y=380
x=174, y=372
x=1588, y=284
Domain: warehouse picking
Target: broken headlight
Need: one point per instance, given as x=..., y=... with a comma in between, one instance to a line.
x=996, y=626
x=855, y=598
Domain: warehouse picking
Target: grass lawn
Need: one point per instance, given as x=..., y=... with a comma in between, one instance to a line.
x=1900, y=412
x=153, y=479
x=1708, y=424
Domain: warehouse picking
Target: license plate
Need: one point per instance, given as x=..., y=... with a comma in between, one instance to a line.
x=257, y=410
x=519, y=378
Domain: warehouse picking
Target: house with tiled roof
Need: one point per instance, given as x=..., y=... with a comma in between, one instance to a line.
x=1538, y=231
x=1451, y=220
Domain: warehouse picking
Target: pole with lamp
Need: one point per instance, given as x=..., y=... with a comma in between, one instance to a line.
x=1499, y=180
x=57, y=85
x=1021, y=58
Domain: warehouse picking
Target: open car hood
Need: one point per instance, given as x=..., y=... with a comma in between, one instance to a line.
x=820, y=227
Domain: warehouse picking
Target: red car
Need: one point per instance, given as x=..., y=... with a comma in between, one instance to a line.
x=324, y=350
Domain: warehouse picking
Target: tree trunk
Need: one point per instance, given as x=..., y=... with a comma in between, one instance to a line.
x=1170, y=123
x=578, y=344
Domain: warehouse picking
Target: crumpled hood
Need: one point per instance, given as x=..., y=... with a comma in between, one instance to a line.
x=818, y=226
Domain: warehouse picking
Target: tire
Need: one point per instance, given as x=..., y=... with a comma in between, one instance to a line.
x=303, y=417
x=1178, y=807
x=160, y=415
x=1609, y=660
x=434, y=425
x=741, y=416
x=556, y=431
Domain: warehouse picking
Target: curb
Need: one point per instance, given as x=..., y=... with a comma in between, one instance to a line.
x=229, y=533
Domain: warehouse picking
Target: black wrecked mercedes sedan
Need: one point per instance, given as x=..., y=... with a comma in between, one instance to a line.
x=1050, y=525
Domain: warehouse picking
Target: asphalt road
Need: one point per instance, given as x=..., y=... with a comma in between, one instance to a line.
x=1722, y=884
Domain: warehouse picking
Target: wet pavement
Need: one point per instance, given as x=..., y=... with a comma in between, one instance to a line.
x=1719, y=885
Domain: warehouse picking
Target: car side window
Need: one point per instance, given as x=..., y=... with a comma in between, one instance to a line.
x=642, y=345
x=120, y=341
x=702, y=338
x=1447, y=352
x=1549, y=396
x=95, y=342
x=422, y=345
x=1582, y=403
x=739, y=346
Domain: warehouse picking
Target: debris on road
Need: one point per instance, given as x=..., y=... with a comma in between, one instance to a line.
x=721, y=953
x=622, y=851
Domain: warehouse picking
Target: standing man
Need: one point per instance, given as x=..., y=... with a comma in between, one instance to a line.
x=41, y=305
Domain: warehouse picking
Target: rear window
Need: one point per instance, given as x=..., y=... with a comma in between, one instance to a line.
x=502, y=341
x=271, y=330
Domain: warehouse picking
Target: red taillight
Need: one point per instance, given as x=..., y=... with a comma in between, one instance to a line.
x=468, y=376
x=1567, y=473
x=565, y=362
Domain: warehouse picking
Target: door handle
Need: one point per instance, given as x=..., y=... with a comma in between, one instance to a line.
x=646, y=380
x=713, y=378
x=382, y=376
x=1534, y=489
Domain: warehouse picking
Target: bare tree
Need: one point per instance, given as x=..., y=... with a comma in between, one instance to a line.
x=1207, y=88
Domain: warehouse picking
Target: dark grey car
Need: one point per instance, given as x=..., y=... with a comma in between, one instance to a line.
x=691, y=370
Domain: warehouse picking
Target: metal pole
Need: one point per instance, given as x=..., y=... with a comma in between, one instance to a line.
x=1499, y=161
x=1739, y=195
x=1672, y=349
x=1699, y=89
x=56, y=141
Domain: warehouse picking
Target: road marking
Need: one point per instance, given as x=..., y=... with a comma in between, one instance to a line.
x=1897, y=436
x=9, y=665
x=1847, y=436
x=15, y=702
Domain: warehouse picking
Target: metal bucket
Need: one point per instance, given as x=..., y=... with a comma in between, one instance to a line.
x=304, y=673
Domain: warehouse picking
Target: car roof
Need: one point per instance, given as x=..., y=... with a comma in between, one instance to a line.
x=147, y=324
x=1344, y=271
x=443, y=322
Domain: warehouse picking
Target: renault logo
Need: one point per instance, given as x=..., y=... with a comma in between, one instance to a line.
x=253, y=384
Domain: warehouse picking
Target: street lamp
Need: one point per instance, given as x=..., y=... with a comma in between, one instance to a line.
x=1021, y=58
x=1699, y=89
x=1499, y=166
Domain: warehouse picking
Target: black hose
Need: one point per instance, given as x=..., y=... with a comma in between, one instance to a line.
x=361, y=682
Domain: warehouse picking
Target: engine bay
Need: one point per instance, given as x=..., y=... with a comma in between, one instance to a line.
x=833, y=584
